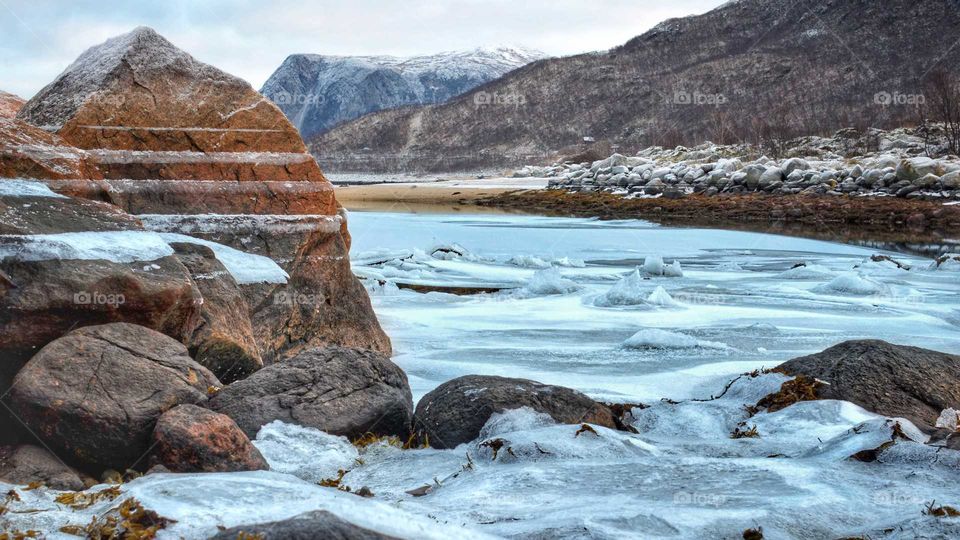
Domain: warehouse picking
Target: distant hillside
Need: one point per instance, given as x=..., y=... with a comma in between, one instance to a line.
x=747, y=69
x=318, y=92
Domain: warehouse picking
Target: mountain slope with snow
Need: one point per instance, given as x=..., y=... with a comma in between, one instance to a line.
x=742, y=71
x=317, y=92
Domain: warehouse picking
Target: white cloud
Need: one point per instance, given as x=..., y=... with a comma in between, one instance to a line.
x=39, y=38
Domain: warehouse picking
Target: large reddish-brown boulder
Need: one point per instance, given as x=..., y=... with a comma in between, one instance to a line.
x=29, y=152
x=340, y=391
x=189, y=197
x=456, y=411
x=172, y=135
x=322, y=304
x=138, y=91
x=223, y=343
x=9, y=104
x=188, y=438
x=94, y=395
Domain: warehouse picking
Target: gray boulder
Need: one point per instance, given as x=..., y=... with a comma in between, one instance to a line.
x=794, y=164
x=892, y=380
x=26, y=464
x=914, y=168
x=753, y=173
x=341, y=391
x=316, y=525
x=455, y=411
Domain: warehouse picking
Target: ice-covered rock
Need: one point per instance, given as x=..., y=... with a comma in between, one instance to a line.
x=628, y=291
x=852, y=283
x=550, y=281
x=655, y=338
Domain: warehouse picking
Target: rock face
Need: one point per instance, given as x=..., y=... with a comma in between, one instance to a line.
x=30, y=152
x=139, y=92
x=173, y=136
x=675, y=84
x=223, y=342
x=340, y=391
x=70, y=263
x=94, y=395
x=9, y=104
x=455, y=411
x=188, y=438
x=318, y=92
x=892, y=380
x=25, y=464
x=308, y=526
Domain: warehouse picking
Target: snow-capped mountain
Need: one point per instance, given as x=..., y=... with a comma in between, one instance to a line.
x=317, y=92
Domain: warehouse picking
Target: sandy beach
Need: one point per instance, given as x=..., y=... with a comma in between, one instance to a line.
x=428, y=194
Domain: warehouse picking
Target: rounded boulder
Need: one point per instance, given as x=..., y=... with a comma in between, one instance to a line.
x=455, y=412
x=94, y=395
x=188, y=438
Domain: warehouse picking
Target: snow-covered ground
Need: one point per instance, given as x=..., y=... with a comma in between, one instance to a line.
x=624, y=311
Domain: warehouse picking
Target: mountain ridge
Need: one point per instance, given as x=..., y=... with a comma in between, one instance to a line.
x=745, y=69
x=317, y=92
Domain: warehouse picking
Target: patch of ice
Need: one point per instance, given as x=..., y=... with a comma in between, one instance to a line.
x=557, y=442
x=807, y=271
x=528, y=261
x=654, y=338
x=519, y=419
x=200, y=503
x=949, y=419
x=307, y=453
x=246, y=268
x=550, y=281
x=629, y=291
x=660, y=297
x=653, y=265
x=851, y=283
x=113, y=246
x=947, y=263
x=16, y=187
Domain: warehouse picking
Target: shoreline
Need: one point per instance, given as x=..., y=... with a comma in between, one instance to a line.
x=842, y=218
x=848, y=219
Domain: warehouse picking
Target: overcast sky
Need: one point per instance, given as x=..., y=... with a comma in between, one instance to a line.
x=39, y=38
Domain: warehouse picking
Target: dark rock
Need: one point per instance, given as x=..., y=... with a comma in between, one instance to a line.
x=26, y=464
x=337, y=390
x=892, y=380
x=455, y=411
x=223, y=343
x=94, y=395
x=188, y=438
x=317, y=525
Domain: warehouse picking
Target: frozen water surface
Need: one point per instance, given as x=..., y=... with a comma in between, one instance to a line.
x=758, y=299
x=572, y=308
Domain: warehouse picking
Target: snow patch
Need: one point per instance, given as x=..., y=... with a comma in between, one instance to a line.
x=246, y=268
x=17, y=187
x=114, y=246
x=550, y=281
